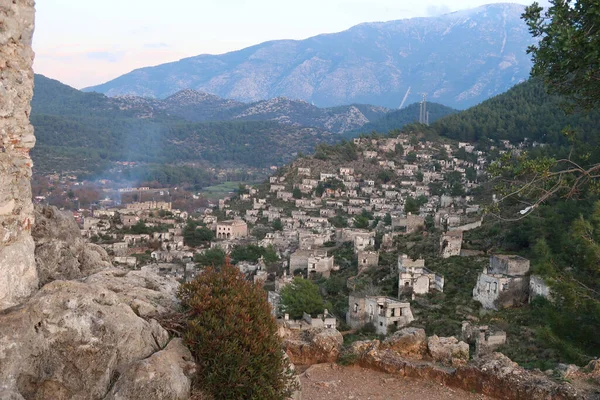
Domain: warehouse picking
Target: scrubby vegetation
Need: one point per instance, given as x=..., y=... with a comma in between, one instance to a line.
x=233, y=337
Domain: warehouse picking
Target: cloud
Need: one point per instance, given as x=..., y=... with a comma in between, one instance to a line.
x=107, y=56
x=434, y=10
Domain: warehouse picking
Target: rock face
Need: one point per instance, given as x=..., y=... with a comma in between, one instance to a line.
x=60, y=251
x=164, y=375
x=18, y=276
x=147, y=294
x=314, y=346
x=448, y=351
x=494, y=374
x=408, y=342
x=71, y=340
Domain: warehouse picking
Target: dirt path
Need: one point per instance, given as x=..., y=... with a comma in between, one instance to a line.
x=333, y=382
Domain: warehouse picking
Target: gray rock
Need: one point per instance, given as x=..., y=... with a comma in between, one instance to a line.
x=145, y=292
x=448, y=351
x=408, y=342
x=70, y=340
x=60, y=251
x=166, y=374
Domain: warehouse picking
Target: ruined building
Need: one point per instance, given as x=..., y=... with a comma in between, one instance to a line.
x=415, y=278
x=504, y=283
x=233, y=229
x=18, y=275
x=383, y=312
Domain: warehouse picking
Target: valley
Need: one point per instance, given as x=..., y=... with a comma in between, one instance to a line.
x=399, y=210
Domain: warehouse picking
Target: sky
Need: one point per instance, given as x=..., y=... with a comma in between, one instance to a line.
x=88, y=42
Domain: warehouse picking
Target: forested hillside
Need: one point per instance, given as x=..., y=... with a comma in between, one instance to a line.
x=525, y=111
x=561, y=235
x=399, y=118
x=82, y=132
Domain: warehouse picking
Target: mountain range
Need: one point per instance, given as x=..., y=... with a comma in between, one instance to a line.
x=78, y=131
x=457, y=59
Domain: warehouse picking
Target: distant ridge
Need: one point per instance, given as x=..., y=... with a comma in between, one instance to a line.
x=458, y=59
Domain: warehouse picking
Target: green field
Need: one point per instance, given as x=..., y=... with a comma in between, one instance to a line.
x=223, y=189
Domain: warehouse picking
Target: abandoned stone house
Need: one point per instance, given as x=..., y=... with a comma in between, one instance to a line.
x=327, y=212
x=539, y=287
x=320, y=264
x=451, y=244
x=367, y=258
x=304, y=171
x=504, y=283
x=309, y=240
x=276, y=188
x=299, y=258
x=232, y=229
x=129, y=220
x=150, y=205
x=287, y=196
x=412, y=223
x=382, y=312
x=325, y=320
x=415, y=278
x=485, y=338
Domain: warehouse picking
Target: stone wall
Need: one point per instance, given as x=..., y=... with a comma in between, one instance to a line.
x=18, y=276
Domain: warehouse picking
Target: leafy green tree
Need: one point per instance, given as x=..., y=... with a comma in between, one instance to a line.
x=338, y=221
x=270, y=255
x=387, y=220
x=297, y=193
x=411, y=205
x=457, y=189
x=320, y=189
x=214, y=257
x=230, y=331
x=195, y=236
x=471, y=174
x=361, y=222
x=385, y=176
x=567, y=55
x=277, y=225
x=301, y=296
x=419, y=176
x=399, y=149
x=140, y=228
x=411, y=157
x=250, y=253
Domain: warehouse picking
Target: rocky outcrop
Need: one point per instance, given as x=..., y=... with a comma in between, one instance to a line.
x=146, y=293
x=494, y=374
x=164, y=375
x=73, y=340
x=60, y=251
x=18, y=276
x=313, y=346
x=448, y=351
x=408, y=342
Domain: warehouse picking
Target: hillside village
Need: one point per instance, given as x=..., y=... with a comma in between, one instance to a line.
x=343, y=216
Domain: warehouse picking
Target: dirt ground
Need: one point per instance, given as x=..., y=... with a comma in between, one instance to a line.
x=334, y=382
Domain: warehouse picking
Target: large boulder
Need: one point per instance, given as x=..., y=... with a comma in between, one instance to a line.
x=60, y=251
x=71, y=340
x=408, y=342
x=314, y=346
x=166, y=374
x=448, y=351
x=148, y=294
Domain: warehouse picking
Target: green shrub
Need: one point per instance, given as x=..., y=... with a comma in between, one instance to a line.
x=233, y=336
